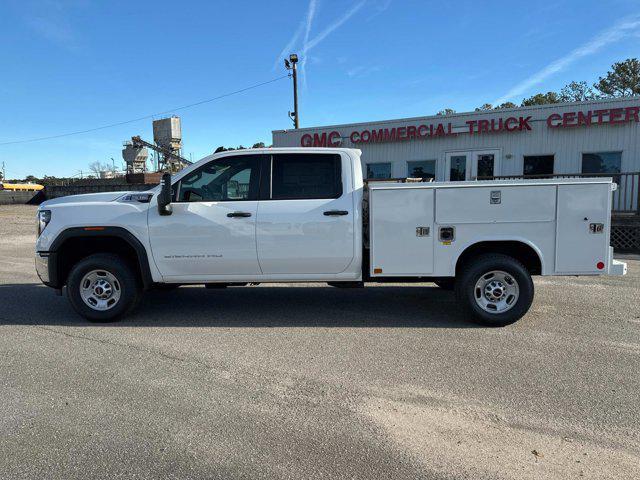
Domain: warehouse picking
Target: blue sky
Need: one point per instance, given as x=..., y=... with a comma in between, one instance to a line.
x=70, y=65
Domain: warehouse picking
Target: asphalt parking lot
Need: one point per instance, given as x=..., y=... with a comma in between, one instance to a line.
x=293, y=382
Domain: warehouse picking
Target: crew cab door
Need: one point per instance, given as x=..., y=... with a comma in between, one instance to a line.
x=212, y=230
x=306, y=216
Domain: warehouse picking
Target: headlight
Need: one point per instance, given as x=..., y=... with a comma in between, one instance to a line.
x=44, y=217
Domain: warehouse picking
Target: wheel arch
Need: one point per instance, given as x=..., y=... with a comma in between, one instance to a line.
x=74, y=244
x=522, y=250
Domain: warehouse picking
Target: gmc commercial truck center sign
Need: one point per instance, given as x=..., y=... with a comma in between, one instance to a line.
x=612, y=116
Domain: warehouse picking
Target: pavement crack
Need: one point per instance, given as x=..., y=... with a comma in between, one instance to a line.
x=118, y=344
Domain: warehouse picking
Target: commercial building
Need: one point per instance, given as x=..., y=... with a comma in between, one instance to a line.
x=598, y=137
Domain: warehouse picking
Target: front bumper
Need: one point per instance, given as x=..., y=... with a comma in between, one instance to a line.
x=42, y=266
x=46, y=265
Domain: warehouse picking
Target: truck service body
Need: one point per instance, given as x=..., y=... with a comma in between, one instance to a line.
x=306, y=215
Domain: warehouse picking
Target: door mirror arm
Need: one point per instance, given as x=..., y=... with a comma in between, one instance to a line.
x=164, y=197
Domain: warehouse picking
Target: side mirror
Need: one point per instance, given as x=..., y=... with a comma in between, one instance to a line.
x=164, y=197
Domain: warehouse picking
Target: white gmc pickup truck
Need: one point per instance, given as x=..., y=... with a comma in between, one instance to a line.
x=306, y=215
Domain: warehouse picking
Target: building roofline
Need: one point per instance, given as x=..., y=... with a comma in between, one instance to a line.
x=463, y=114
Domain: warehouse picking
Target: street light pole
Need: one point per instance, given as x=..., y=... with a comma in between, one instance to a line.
x=292, y=64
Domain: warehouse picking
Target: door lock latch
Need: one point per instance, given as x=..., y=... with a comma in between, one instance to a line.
x=423, y=231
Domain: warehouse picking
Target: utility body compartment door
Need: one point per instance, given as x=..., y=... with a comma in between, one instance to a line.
x=583, y=228
x=495, y=204
x=401, y=231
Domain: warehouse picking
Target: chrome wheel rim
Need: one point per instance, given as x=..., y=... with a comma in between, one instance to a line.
x=100, y=290
x=496, y=292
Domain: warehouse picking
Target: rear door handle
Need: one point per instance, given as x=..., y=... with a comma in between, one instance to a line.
x=238, y=214
x=335, y=213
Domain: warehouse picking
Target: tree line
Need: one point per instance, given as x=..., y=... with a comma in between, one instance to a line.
x=623, y=80
x=239, y=147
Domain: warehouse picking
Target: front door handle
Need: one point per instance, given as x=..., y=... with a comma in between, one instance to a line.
x=238, y=214
x=335, y=213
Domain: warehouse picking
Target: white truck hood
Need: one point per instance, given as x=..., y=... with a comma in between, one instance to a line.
x=85, y=198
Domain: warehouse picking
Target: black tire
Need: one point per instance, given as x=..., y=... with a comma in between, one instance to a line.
x=128, y=287
x=446, y=283
x=474, y=270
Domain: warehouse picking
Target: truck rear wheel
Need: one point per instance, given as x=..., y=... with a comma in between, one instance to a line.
x=102, y=288
x=495, y=290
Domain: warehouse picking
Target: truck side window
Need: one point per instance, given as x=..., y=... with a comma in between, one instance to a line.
x=226, y=179
x=306, y=176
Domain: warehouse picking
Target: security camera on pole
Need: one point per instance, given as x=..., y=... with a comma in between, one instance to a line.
x=291, y=64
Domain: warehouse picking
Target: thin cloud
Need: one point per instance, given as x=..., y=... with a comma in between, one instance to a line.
x=362, y=71
x=289, y=46
x=380, y=8
x=304, y=33
x=622, y=29
x=335, y=25
x=304, y=26
x=311, y=13
x=325, y=33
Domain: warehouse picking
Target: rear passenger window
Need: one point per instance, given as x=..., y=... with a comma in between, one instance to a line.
x=304, y=175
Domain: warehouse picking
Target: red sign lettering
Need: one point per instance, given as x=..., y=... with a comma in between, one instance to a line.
x=377, y=135
x=523, y=123
x=472, y=125
x=335, y=139
x=510, y=121
x=600, y=114
x=306, y=140
x=584, y=118
x=613, y=116
x=553, y=118
x=631, y=114
x=568, y=119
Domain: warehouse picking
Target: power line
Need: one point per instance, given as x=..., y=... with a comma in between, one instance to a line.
x=50, y=137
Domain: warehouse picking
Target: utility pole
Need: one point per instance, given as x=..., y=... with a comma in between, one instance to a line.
x=3, y=176
x=291, y=64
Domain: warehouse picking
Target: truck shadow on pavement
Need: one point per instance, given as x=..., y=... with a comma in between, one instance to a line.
x=415, y=306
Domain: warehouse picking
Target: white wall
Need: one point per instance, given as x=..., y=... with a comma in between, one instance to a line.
x=567, y=144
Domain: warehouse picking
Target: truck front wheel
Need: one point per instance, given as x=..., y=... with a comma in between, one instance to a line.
x=495, y=290
x=102, y=288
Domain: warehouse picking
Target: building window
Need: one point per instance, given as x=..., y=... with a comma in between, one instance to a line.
x=300, y=176
x=424, y=169
x=605, y=162
x=378, y=170
x=458, y=170
x=540, y=165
